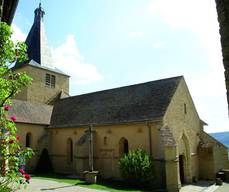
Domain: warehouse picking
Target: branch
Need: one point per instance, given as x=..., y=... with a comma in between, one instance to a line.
x=10, y=95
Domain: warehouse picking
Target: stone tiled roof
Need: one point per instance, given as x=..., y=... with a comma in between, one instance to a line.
x=135, y=103
x=207, y=141
x=61, y=95
x=167, y=136
x=34, y=113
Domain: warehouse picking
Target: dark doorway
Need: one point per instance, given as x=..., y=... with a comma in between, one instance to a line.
x=181, y=167
x=44, y=164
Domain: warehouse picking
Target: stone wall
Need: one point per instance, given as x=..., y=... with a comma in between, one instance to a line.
x=213, y=156
x=183, y=120
x=38, y=92
x=106, y=149
x=222, y=7
x=37, y=132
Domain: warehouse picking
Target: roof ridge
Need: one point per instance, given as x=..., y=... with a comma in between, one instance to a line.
x=126, y=86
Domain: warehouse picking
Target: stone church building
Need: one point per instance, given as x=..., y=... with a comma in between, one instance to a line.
x=158, y=116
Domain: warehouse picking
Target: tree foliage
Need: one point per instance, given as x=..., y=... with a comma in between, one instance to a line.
x=136, y=167
x=12, y=155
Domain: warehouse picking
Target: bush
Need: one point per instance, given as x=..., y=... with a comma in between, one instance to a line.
x=136, y=168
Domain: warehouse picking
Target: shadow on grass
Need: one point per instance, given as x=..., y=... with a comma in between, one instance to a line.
x=117, y=185
x=54, y=188
x=102, y=184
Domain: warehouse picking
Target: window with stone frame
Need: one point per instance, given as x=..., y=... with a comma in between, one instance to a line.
x=28, y=140
x=123, y=146
x=50, y=80
x=69, y=151
x=185, y=108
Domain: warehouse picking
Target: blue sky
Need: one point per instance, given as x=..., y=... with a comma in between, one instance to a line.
x=104, y=44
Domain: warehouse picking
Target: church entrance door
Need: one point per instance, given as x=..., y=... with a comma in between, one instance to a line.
x=181, y=168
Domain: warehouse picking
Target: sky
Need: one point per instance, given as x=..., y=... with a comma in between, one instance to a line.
x=104, y=44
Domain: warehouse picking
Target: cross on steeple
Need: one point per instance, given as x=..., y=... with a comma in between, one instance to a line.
x=39, y=13
x=37, y=46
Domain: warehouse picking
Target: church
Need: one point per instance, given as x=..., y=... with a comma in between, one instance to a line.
x=157, y=116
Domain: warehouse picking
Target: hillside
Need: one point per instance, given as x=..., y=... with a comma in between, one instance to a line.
x=223, y=137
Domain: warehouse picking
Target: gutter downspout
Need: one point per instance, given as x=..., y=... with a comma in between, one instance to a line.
x=150, y=138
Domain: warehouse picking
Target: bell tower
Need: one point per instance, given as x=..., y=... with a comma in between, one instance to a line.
x=49, y=83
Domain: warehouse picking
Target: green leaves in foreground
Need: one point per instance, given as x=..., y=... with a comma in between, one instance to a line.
x=12, y=155
x=136, y=167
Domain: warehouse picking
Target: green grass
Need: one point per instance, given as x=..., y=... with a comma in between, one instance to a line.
x=108, y=185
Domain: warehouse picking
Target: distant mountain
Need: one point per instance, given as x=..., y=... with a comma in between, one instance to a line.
x=223, y=137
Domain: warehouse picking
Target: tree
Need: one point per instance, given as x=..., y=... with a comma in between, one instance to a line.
x=12, y=156
x=136, y=168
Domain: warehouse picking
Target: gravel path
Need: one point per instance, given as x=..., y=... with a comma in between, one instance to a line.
x=223, y=188
x=53, y=186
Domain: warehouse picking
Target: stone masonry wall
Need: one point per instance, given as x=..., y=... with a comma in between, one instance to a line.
x=39, y=93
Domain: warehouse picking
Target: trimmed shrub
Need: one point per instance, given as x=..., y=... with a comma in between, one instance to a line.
x=136, y=168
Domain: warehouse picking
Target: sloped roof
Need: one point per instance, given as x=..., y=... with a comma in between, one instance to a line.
x=34, y=113
x=140, y=102
x=208, y=141
x=37, y=65
x=61, y=95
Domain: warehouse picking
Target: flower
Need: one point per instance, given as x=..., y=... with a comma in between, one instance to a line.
x=18, y=138
x=22, y=171
x=22, y=166
x=11, y=141
x=27, y=177
x=13, y=118
x=7, y=107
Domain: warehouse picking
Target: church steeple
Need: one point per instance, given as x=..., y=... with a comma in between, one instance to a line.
x=39, y=13
x=36, y=41
x=49, y=83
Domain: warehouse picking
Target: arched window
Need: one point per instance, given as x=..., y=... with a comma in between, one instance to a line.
x=28, y=140
x=123, y=146
x=69, y=150
x=105, y=140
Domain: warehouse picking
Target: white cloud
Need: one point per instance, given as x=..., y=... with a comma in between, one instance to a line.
x=135, y=34
x=158, y=44
x=199, y=17
x=185, y=13
x=67, y=58
x=17, y=35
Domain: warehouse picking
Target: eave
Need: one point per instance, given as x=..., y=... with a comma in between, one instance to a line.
x=7, y=10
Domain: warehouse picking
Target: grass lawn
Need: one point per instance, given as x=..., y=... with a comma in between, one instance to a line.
x=108, y=185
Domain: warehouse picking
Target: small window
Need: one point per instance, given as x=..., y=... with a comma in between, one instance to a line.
x=185, y=108
x=53, y=81
x=105, y=140
x=123, y=146
x=50, y=80
x=47, y=80
x=28, y=140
